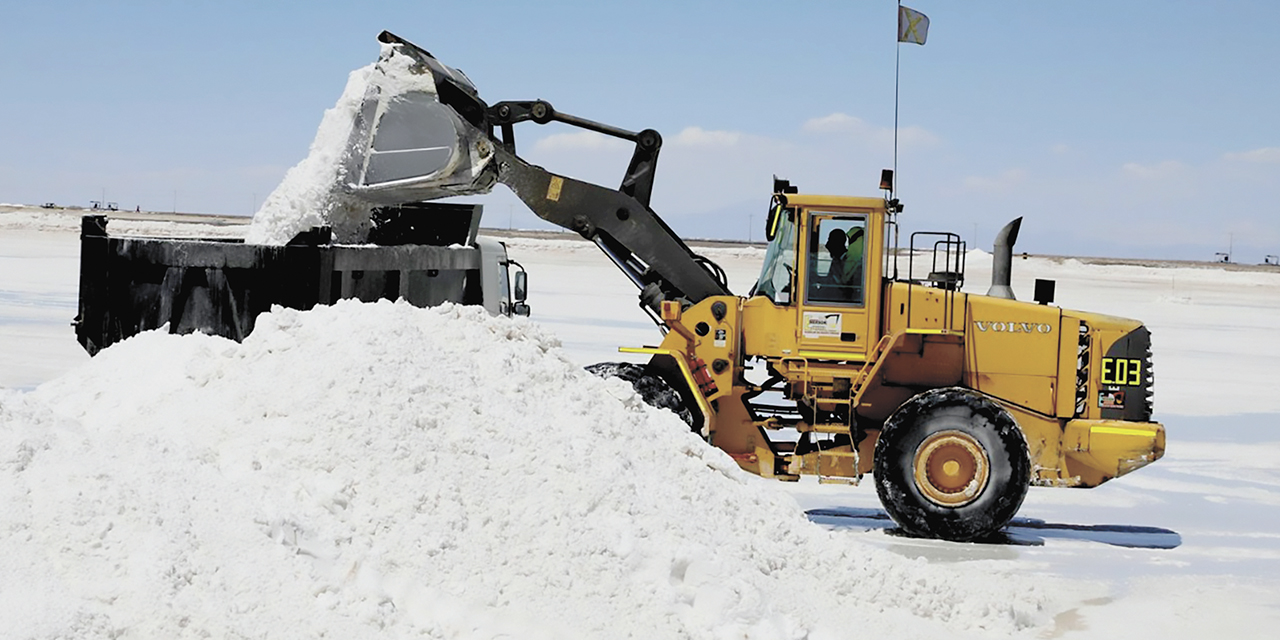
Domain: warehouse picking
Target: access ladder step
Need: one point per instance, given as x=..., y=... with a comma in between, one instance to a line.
x=835, y=457
x=830, y=427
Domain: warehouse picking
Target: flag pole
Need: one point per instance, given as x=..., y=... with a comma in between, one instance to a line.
x=897, y=63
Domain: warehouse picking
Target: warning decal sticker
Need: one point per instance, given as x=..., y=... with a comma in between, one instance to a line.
x=822, y=325
x=1111, y=399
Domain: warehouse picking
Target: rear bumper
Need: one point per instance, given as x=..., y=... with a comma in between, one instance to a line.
x=1099, y=450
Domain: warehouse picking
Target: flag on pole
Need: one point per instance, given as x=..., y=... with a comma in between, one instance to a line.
x=913, y=26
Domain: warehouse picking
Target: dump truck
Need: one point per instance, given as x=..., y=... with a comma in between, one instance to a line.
x=426, y=253
x=840, y=361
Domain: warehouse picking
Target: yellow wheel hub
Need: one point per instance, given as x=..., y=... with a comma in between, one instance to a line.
x=951, y=468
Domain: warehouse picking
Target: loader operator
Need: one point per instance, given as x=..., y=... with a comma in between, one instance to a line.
x=845, y=272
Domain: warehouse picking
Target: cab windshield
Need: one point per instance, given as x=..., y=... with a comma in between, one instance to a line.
x=779, y=262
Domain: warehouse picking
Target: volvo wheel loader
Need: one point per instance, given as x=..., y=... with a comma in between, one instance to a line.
x=841, y=360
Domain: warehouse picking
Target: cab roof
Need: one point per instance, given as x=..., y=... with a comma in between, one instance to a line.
x=833, y=202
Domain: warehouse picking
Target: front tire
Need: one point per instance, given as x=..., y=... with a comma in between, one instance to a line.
x=951, y=464
x=652, y=388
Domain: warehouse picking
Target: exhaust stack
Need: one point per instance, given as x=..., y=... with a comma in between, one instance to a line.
x=1002, y=260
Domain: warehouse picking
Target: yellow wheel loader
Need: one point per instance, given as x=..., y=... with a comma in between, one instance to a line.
x=841, y=360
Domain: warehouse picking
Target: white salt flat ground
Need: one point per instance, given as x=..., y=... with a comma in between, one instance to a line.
x=1215, y=495
x=1186, y=547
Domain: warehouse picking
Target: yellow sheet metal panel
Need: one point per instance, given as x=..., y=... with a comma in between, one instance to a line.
x=926, y=307
x=714, y=324
x=843, y=203
x=837, y=356
x=929, y=360
x=768, y=329
x=1044, y=436
x=917, y=309
x=881, y=401
x=739, y=436
x=1117, y=323
x=894, y=316
x=1007, y=336
x=1012, y=351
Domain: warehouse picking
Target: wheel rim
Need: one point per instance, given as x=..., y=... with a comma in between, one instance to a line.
x=951, y=468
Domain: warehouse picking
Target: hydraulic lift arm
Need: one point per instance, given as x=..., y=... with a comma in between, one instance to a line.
x=619, y=221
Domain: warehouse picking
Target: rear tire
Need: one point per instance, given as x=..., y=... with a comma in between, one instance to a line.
x=655, y=391
x=951, y=464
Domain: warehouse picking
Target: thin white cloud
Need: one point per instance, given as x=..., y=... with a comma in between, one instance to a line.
x=1158, y=171
x=699, y=137
x=577, y=141
x=1004, y=182
x=845, y=124
x=1265, y=155
x=835, y=123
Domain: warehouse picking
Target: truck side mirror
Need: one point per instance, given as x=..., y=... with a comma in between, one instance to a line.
x=521, y=289
x=771, y=222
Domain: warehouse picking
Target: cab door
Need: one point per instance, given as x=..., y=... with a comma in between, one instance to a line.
x=839, y=286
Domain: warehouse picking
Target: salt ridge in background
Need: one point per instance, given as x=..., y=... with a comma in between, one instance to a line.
x=378, y=470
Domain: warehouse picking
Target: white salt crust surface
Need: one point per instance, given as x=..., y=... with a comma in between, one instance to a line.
x=378, y=470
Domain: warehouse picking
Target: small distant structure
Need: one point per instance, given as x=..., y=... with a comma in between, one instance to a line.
x=1225, y=258
x=1271, y=260
x=99, y=205
x=49, y=205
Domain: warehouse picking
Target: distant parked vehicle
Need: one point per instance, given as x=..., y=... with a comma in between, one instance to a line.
x=48, y=205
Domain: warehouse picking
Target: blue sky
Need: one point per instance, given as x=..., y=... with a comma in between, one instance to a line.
x=1142, y=128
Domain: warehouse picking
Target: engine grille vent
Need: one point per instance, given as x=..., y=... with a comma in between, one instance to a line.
x=1082, y=371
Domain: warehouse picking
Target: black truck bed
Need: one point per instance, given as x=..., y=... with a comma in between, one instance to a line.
x=219, y=286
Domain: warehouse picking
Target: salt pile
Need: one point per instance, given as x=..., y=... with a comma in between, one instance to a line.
x=378, y=470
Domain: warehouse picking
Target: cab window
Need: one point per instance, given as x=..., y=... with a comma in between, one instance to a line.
x=836, y=260
x=779, y=261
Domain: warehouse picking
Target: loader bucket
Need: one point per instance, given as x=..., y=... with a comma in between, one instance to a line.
x=419, y=133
